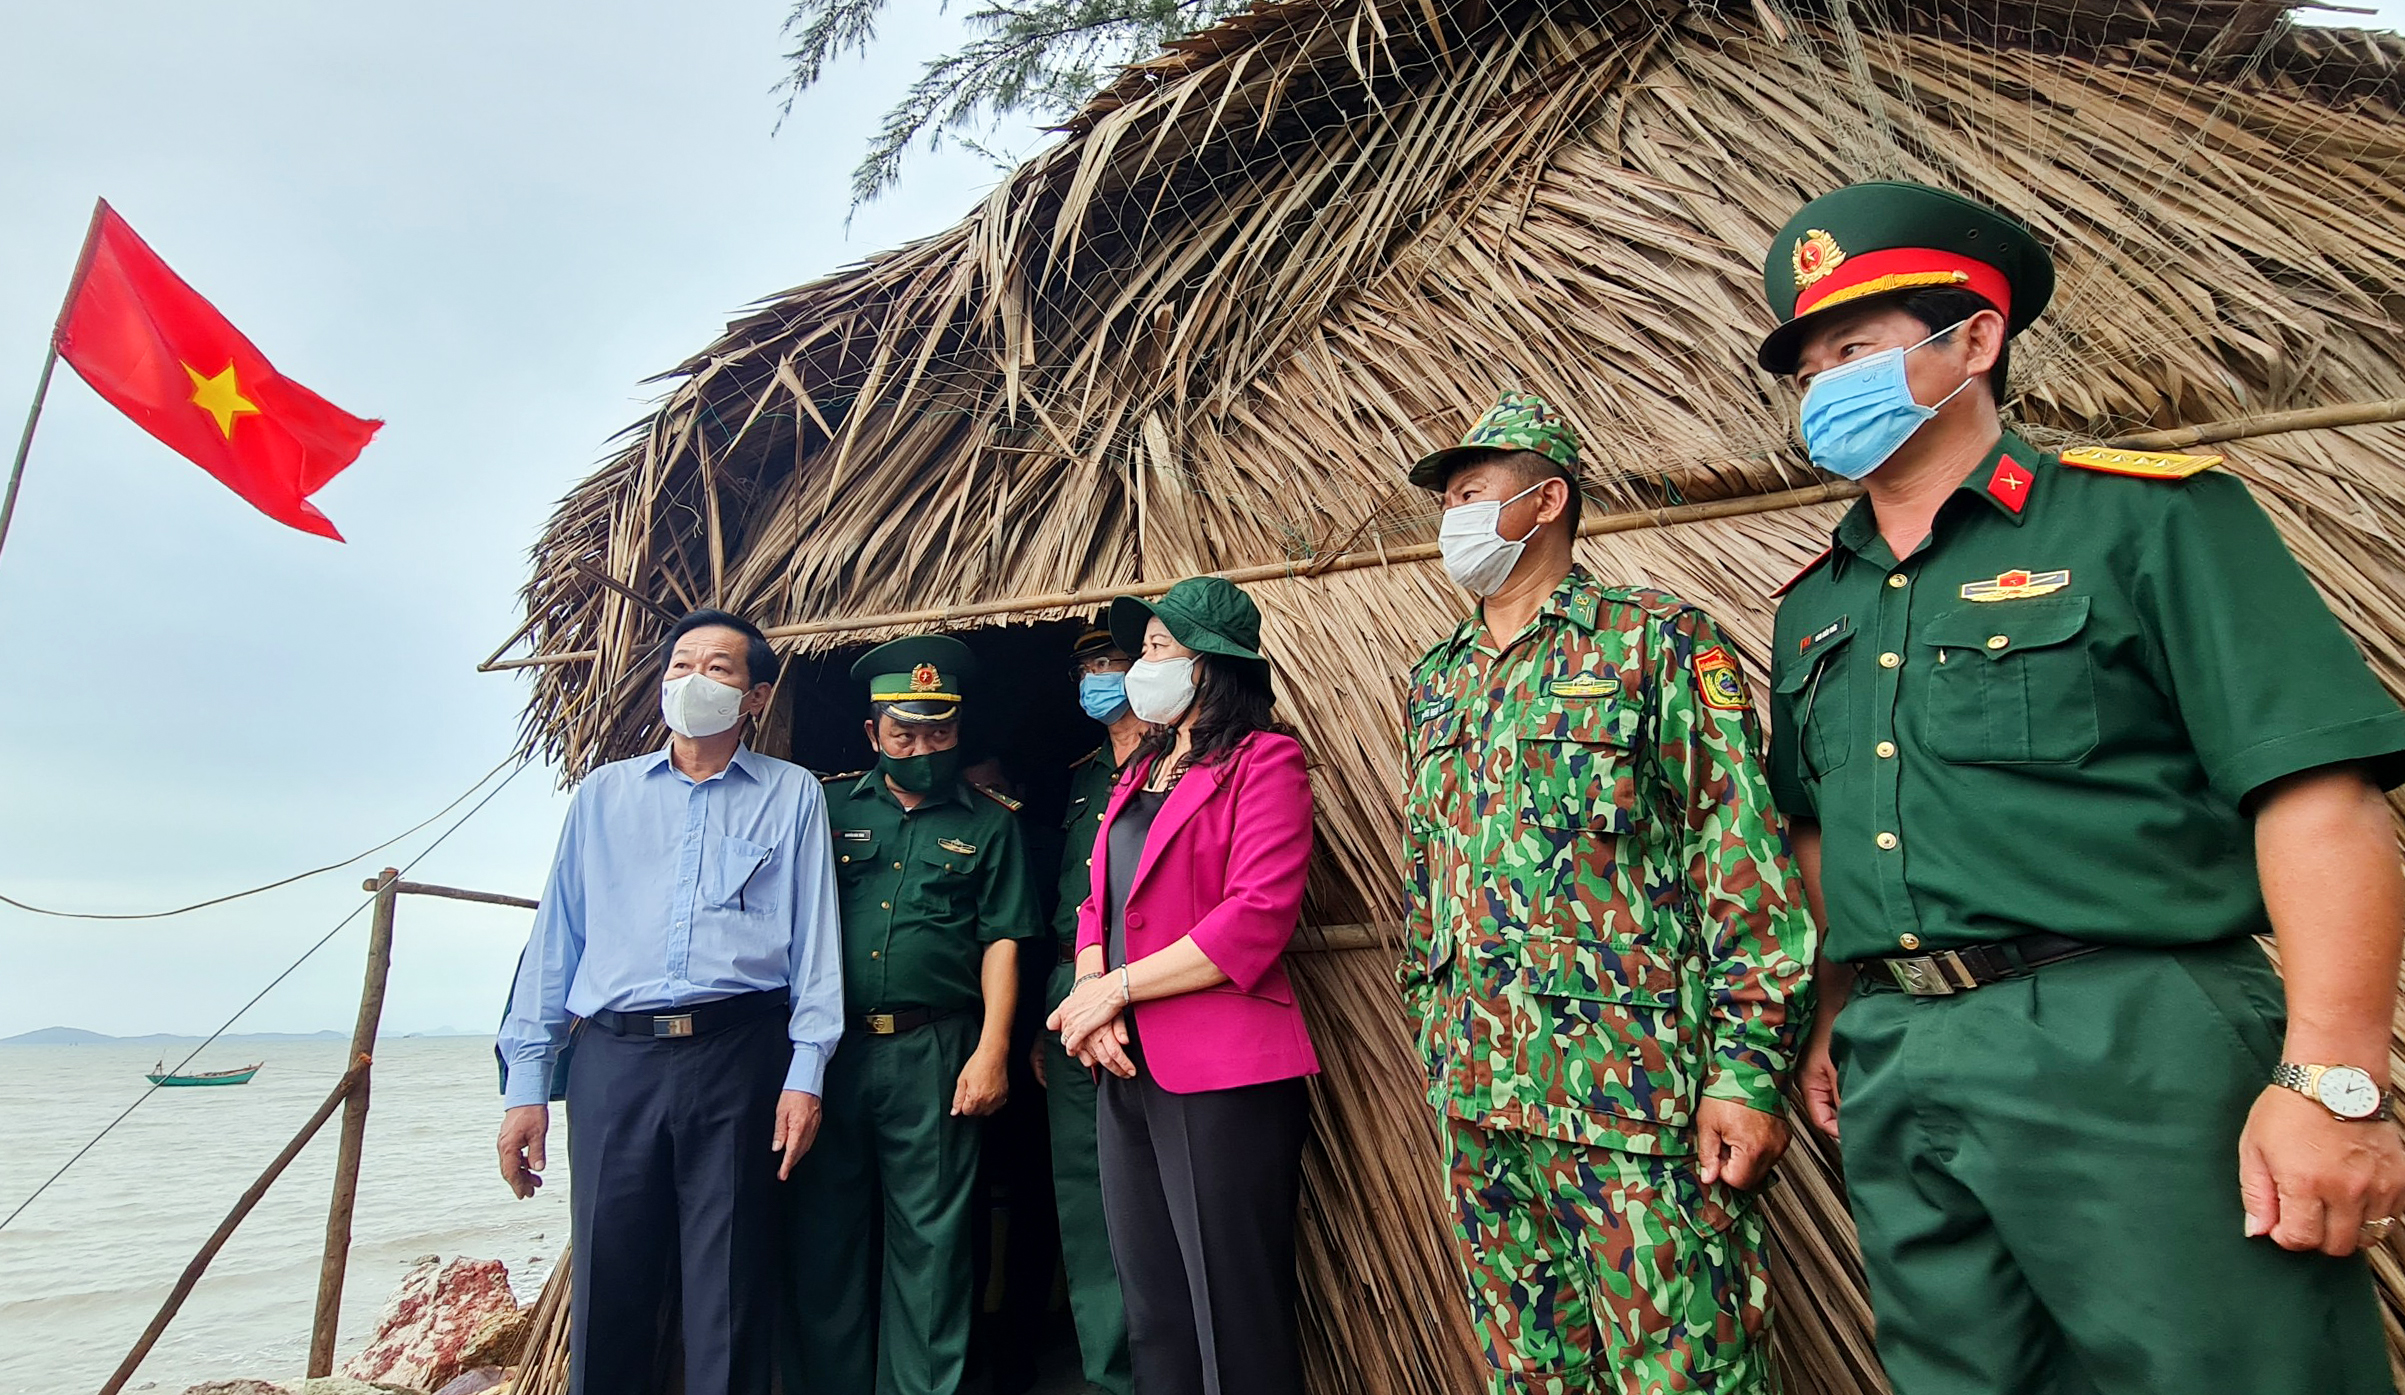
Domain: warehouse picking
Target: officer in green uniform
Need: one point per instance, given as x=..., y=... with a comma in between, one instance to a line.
x=1069, y=1088
x=1605, y=947
x=2060, y=732
x=934, y=897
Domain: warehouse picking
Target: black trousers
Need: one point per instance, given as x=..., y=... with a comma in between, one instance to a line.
x=1200, y=1191
x=672, y=1186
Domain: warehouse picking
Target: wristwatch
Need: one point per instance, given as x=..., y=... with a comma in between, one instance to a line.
x=2347, y=1092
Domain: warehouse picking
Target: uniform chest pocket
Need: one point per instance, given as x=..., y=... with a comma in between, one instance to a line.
x=1436, y=763
x=946, y=871
x=1576, y=774
x=735, y=882
x=2009, y=683
x=1818, y=689
x=856, y=851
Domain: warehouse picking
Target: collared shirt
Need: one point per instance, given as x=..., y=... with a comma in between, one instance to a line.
x=924, y=891
x=666, y=893
x=1090, y=782
x=1602, y=922
x=2050, y=716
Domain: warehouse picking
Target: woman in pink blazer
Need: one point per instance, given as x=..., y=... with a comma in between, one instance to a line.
x=1183, y=1002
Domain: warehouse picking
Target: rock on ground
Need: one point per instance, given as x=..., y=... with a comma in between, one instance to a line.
x=499, y=1342
x=428, y=1323
x=475, y=1382
x=236, y=1387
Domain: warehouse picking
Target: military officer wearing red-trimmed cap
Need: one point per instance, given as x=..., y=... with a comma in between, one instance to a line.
x=2059, y=733
x=931, y=879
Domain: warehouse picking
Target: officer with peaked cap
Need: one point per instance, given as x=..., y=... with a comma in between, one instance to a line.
x=2060, y=733
x=933, y=889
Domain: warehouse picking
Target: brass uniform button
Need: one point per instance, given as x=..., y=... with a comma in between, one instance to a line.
x=888, y=905
x=1887, y=840
x=1890, y=659
x=1887, y=750
x=878, y=954
x=1909, y=941
x=1997, y=641
x=846, y=857
x=1896, y=580
x=897, y=866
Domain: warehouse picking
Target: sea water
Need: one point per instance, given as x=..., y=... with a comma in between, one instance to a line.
x=85, y=1267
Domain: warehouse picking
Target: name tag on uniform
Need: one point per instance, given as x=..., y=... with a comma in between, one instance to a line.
x=853, y=835
x=1824, y=634
x=1430, y=710
x=1585, y=685
x=954, y=845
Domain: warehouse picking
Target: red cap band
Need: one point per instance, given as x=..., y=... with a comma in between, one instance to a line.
x=1903, y=269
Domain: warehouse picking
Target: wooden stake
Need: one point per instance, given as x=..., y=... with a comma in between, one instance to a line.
x=387, y=887
x=354, y=1078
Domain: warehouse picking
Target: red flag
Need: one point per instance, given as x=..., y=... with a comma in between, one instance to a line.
x=163, y=356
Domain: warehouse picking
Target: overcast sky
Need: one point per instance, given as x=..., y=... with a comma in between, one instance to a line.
x=484, y=223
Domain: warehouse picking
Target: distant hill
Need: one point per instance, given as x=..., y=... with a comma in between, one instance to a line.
x=77, y=1036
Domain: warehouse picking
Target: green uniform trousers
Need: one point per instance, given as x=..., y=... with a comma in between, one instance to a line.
x=1069, y=1099
x=2045, y=1175
x=1593, y=1271
x=889, y=1157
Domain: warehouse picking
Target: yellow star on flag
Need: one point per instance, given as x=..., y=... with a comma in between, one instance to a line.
x=221, y=397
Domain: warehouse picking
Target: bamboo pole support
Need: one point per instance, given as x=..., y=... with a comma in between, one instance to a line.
x=353, y=1079
x=330, y=1271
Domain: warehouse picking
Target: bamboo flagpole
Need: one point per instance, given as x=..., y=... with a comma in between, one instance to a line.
x=41, y=389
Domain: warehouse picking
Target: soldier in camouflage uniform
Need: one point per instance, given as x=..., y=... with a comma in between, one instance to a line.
x=1606, y=955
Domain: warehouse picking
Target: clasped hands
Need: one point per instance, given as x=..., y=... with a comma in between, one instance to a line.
x=1091, y=1025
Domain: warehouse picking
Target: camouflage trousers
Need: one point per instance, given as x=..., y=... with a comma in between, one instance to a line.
x=1597, y=1272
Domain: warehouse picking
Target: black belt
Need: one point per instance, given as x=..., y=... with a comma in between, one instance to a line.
x=699, y=1020
x=1951, y=971
x=885, y=1024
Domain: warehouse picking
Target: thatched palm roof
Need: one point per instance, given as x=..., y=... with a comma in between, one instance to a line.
x=1261, y=271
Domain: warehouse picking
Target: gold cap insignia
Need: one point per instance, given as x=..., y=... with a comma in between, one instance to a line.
x=1816, y=255
x=924, y=679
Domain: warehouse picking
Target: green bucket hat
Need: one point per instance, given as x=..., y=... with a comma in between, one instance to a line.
x=1885, y=236
x=1520, y=421
x=1207, y=614
x=924, y=677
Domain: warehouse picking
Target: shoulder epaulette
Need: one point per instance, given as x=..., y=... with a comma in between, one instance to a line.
x=1086, y=759
x=827, y=778
x=998, y=797
x=2143, y=464
x=1789, y=584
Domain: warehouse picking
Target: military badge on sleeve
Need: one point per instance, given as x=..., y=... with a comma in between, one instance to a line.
x=1716, y=676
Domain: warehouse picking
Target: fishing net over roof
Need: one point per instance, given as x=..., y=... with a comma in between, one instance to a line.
x=1261, y=273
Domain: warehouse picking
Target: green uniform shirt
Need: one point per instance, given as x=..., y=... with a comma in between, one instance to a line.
x=1090, y=782
x=923, y=891
x=1991, y=753
x=1602, y=923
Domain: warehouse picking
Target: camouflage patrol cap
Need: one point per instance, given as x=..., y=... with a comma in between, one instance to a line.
x=1520, y=421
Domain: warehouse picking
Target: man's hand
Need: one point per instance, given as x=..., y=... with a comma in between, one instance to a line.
x=984, y=1084
x=523, y=1130
x=2309, y=1179
x=797, y=1128
x=1035, y=1062
x=1816, y=1076
x=1736, y=1144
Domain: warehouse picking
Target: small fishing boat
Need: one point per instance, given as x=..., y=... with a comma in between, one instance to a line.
x=160, y=1075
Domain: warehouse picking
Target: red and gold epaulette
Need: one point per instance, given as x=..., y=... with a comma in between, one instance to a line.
x=1789, y=584
x=998, y=797
x=2144, y=465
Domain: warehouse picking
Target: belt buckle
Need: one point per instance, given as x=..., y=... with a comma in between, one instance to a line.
x=881, y=1024
x=679, y=1025
x=1922, y=978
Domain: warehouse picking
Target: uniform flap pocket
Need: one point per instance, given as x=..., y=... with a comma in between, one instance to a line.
x=952, y=854
x=1079, y=807
x=1810, y=653
x=1597, y=973
x=855, y=846
x=1437, y=728
x=1589, y=722
x=1997, y=629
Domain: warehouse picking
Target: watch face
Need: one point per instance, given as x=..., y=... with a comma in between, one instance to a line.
x=2348, y=1093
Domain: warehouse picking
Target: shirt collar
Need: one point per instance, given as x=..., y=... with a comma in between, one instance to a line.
x=1576, y=599
x=744, y=761
x=871, y=785
x=2007, y=491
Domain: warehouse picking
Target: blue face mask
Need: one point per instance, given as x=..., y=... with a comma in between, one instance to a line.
x=1858, y=414
x=1103, y=696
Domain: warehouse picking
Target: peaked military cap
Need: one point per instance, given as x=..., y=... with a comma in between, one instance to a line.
x=1520, y=421
x=1885, y=236
x=1096, y=642
x=923, y=677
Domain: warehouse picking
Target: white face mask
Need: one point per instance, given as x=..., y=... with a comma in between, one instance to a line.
x=1160, y=690
x=698, y=705
x=1476, y=556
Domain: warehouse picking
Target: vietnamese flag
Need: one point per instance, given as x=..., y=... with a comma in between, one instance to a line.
x=163, y=356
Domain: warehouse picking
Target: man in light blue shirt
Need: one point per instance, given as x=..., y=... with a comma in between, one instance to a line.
x=689, y=939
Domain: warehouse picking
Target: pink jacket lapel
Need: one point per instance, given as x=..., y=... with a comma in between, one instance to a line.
x=1194, y=789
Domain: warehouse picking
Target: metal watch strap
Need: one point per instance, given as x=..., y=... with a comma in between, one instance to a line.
x=2303, y=1079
